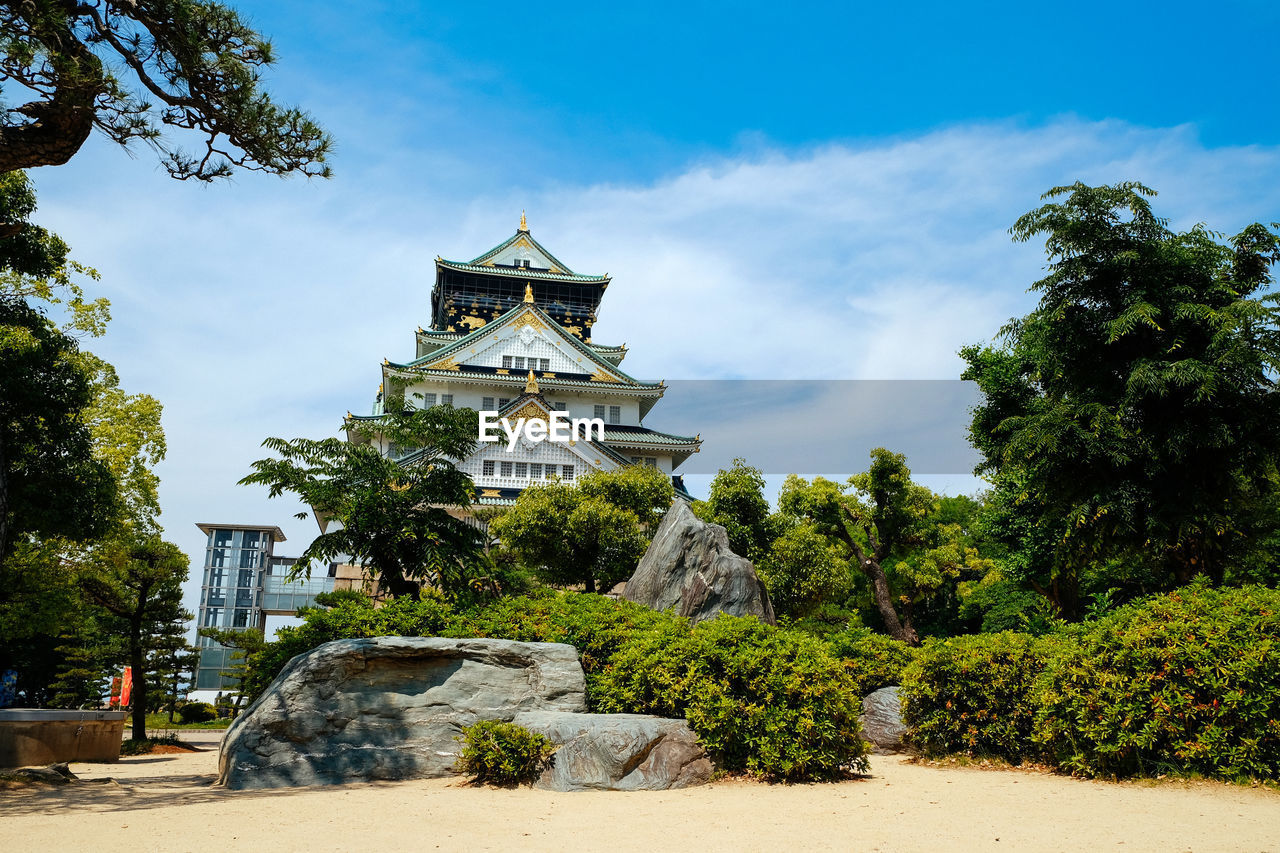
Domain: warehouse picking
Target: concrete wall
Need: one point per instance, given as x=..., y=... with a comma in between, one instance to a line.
x=34, y=737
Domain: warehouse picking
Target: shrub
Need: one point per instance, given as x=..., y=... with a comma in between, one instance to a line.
x=975, y=694
x=197, y=712
x=1187, y=682
x=762, y=701
x=872, y=660
x=498, y=753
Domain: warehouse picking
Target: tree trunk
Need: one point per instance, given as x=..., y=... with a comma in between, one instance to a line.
x=4, y=500
x=897, y=628
x=590, y=584
x=139, y=697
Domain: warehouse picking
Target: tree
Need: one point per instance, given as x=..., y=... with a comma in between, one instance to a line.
x=902, y=538
x=51, y=483
x=569, y=535
x=172, y=663
x=392, y=516
x=133, y=70
x=1133, y=416
x=644, y=490
x=803, y=570
x=737, y=503
x=137, y=582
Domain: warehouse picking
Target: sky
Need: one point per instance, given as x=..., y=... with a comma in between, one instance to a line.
x=780, y=191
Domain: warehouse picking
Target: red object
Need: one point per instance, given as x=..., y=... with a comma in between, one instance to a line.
x=126, y=687
x=114, y=701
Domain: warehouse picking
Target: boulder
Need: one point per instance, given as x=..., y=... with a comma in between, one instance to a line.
x=53, y=774
x=882, y=720
x=689, y=568
x=390, y=708
x=618, y=752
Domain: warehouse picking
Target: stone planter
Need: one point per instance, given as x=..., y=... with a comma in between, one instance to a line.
x=31, y=737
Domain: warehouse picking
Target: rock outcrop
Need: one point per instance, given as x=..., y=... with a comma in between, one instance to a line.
x=390, y=708
x=882, y=720
x=690, y=568
x=618, y=752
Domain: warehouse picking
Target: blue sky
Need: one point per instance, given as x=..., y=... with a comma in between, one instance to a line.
x=816, y=191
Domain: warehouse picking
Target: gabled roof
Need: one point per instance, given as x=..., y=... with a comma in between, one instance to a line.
x=556, y=264
x=606, y=372
x=520, y=272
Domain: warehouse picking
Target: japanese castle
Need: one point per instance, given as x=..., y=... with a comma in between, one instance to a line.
x=511, y=332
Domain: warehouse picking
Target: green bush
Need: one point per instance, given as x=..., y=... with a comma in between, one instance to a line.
x=976, y=694
x=872, y=660
x=197, y=712
x=762, y=701
x=498, y=753
x=1187, y=682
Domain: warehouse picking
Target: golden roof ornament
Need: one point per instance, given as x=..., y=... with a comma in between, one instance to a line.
x=524, y=224
x=531, y=387
x=528, y=293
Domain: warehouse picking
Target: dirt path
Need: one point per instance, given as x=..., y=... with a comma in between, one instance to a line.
x=165, y=803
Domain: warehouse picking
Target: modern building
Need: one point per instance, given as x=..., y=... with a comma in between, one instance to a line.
x=244, y=582
x=511, y=332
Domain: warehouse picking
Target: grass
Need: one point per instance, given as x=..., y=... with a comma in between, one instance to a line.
x=161, y=721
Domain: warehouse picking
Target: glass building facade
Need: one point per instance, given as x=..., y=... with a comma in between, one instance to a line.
x=243, y=583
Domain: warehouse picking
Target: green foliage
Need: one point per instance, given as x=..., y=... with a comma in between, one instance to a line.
x=872, y=660
x=802, y=570
x=762, y=701
x=976, y=695
x=392, y=513
x=571, y=535
x=136, y=584
x=197, y=712
x=51, y=483
x=134, y=70
x=641, y=489
x=1187, y=682
x=496, y=753
x=911, y=547
x=737, y=503
x=1129, y=418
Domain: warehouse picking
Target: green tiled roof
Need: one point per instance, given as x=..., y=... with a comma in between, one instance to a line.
x=513, y=238
x=644, y=435
x=519, y=272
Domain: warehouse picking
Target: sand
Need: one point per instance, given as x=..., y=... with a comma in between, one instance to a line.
x=165, y=803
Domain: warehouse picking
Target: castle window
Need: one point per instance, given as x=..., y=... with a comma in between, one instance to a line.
x=428, y=400
x=566, y=471
x=522, y=263
x=486, y=404
x=486, y=468
x=562, y=407
x=651, y=461
x=635, y=460
x=505, y=468
x=598, y=412
x=446, y=400
x=535, y=470
x=522, y=470
x=544, y=364
x=502, y=402
x=506, y=361
x=615, y=414
x=520, y=362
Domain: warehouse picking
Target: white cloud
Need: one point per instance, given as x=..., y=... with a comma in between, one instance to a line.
x=263, y=308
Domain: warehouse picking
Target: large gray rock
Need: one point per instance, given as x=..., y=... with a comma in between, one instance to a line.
x=882, y=720
x=390, y=708
x=618, y=752
x=690, y=568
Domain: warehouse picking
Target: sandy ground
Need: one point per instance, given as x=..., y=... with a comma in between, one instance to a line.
x=166, y=803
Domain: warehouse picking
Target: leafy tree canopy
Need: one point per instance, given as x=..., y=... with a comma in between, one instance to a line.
x=136, y=70
x=388, y=514
x=575, y=534
x=737, y=503
x=1133, y=414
